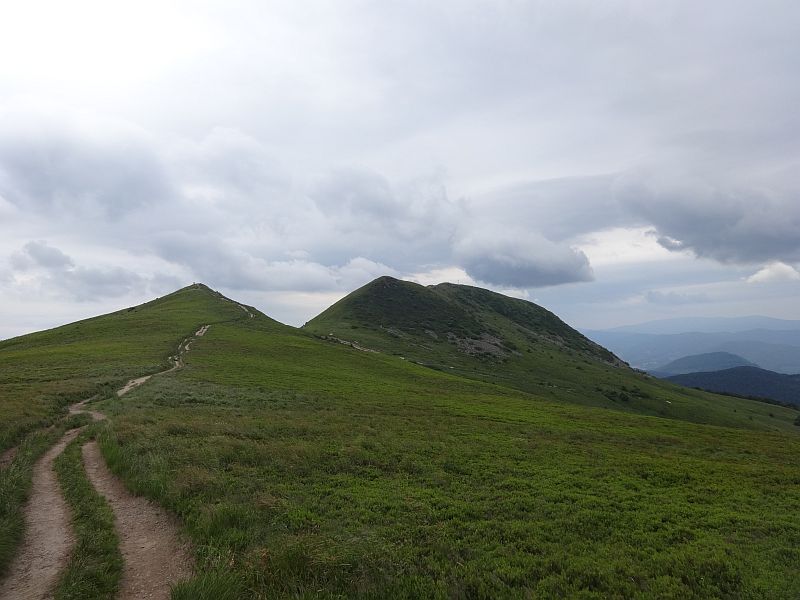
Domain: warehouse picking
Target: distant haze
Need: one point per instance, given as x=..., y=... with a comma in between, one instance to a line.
x=617, y=162
x=711, y=325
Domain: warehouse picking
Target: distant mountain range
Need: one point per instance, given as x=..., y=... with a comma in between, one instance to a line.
x=751, y=356
x=745, y=381
x=775, y=350
x=696, y=363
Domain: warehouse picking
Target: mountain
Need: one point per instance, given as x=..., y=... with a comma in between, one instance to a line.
x=710, y=325
x=746, y=381
x=43, y=371
x=771, y=349
x=486, y=336
x=712, y=361
x=300, y=466
x=479, y=323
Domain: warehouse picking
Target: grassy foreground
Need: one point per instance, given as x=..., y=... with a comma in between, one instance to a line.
x=304, y=469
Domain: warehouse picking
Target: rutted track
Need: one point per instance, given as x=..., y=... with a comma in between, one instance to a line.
x=48, y=535
x=154, y=557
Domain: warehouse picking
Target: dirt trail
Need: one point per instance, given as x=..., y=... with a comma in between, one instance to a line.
x=177, y=362
x=48, y=535
x=154, y=555
x=78, y=408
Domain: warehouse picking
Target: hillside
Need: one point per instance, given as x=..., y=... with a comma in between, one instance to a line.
x=43, y=371
x=482, y=335
x=711, y=361
x=302, y=467
x=746, y=381
x=477, y=322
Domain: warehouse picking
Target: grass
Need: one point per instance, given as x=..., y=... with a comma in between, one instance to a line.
x=315, y=470
x=15, y=483
x=304, y=468
x=95, y=565
x=44, y=372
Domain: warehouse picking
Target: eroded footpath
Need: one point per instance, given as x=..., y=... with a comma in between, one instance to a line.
x=155, y=557
x=48, y=537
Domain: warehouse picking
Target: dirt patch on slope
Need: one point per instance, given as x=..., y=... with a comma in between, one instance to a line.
x=155, y=557
x=48, y=534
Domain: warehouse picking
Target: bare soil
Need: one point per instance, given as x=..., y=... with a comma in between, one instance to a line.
x=154, y=556
x=48, y=536
x=78, y=408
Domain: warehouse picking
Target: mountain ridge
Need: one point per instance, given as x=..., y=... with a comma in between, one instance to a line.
x=709, y=361
x=745, y=381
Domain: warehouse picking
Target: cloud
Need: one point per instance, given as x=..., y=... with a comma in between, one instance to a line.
x=48, y=267
x=360, y=212
x=40, y=254
x=521, y=260
x=746, y=216
x=308, y=145
x=77, y=169
x=774, y=272
x=674, y=298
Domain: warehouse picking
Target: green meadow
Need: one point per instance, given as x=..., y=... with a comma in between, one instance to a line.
x=302, y=467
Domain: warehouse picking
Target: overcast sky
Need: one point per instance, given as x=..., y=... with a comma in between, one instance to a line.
x=614, y=161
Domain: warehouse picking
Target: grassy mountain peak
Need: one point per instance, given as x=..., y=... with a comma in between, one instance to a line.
x=486, y=336
x=474, y=321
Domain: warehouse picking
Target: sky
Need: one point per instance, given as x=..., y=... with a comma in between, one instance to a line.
x=614, y=161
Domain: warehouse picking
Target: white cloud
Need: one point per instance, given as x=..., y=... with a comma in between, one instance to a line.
x=774, y=272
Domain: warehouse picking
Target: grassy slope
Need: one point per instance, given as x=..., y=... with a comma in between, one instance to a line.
x=312, y=469
x=42, y=372
x=539, y=353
